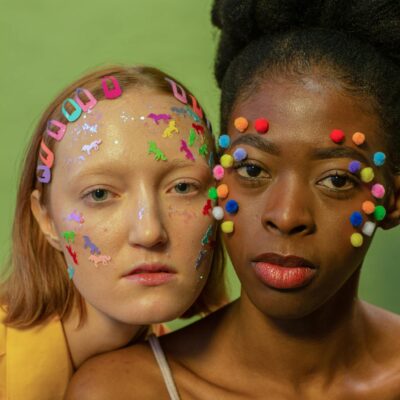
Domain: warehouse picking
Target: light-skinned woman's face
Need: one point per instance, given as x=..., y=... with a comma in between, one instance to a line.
x=132, y=220
x=296, y=194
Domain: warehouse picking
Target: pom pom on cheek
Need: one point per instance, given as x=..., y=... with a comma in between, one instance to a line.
x=222, y=191
x=218, y=172
x=356, y=239
x=227, y=226
x=232, y=206
x=218, y=213
x=378, y=191
x=379, y=158
x=356, y=219
x=368, y=207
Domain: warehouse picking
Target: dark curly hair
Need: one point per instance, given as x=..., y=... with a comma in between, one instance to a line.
x=356, y=41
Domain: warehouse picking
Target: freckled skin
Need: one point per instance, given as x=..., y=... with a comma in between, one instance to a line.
x=318, y=341
x=135, y=181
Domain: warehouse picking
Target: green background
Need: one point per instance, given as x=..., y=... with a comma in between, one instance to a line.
x=46, y=44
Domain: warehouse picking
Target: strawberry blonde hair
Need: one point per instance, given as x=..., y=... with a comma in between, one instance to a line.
x=37, y=286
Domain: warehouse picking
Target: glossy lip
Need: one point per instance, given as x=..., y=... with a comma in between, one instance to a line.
x=150, y=274
x=284, y=272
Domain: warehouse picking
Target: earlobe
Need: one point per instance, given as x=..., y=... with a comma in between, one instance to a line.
x=393, y=207
x=44, y=220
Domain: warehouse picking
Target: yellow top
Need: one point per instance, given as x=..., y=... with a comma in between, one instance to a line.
x=34, y=362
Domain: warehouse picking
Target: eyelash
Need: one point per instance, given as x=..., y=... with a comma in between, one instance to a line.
x=194, y=185
x=90, y=201
x=352, y=178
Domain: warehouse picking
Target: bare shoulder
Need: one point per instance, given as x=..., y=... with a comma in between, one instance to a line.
x=129, y=373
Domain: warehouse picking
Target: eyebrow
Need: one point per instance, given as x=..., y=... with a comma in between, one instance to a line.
x=323, y=153
x=339, y=152
x=259, y=143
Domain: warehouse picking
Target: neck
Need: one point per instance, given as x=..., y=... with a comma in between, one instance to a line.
x=97, y=334
x=317, y=346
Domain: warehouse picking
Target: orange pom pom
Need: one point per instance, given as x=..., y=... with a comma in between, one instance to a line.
x=222, y=191
x=368, y=207
x=358, y=138
x=241, y=124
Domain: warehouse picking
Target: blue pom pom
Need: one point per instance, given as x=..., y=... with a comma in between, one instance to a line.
x=379, y=158
x=239, y=154
x=232, y=206
x=354, y=166
x=356, y=219
x=224, y=141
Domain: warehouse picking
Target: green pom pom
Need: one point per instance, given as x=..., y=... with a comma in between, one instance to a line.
x=379, y=213
x=212, y=193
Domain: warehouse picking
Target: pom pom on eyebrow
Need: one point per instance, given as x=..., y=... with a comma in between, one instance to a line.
x=240, y=154
x=379, y=158
x=337, y=136
x=354, y=166
x=358, y=138
x=224, y=141
x=241, y=124
x=261, y=125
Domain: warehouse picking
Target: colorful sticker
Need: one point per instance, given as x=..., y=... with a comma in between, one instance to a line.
x=94, y=146
x=185, y=148
x=170, y=129
x=158, y=154
x=159, y=117
x=72, y=254
x=88, y=243
x=103, y=259
x=69, y=236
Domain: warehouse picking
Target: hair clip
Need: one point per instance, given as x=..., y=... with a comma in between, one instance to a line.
x=113, y=92
x=91, y=99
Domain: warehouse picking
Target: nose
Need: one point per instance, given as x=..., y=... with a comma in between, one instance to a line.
x=288, y=208
x=147, y=229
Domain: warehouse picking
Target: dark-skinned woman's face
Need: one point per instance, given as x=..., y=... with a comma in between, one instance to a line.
x=296, y=194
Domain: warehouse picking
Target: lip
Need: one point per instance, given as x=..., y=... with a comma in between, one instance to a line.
x=284, y=272
x=150, y=274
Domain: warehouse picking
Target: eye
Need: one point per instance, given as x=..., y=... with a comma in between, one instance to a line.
x=98, y=195
x=338, y=182
x=250, y=170
x=185, y=187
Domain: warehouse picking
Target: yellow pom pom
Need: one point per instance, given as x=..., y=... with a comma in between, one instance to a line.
x=226, y=161
x=241, y=124
x=367, y=174
x=356, y=239
x=227, y=227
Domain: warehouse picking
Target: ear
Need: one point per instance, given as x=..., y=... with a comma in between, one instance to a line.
x=392, y=218
x=44, y=220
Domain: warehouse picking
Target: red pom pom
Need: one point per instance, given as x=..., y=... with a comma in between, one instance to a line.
x=337, y=136
x=261, y=125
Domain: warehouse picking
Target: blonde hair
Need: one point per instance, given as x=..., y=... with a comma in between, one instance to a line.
x=37, y=286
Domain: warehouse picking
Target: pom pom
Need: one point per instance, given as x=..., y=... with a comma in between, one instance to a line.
x=368, y=207
x=337, y=136
x=261, y=125
x=379, y=213
x=222, y=191
x=368, y=228
x=239, y=154
x=379, y=158
x=232, y=206
x=356, y=239
x=227, y=161
x=241, y=124
x=227, y=226
x=367, y=174
x=218, y=213
x=356, y=219
x=212, y=193
x=218, y=172
x=378, y=191
x=224, y=141
x=358, y=138
x=354, y=166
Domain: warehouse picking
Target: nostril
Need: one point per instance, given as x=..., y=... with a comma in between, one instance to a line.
x=298, y=229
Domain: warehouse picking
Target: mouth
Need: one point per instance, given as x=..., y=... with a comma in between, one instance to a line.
x=150, y=274
x=284, y=272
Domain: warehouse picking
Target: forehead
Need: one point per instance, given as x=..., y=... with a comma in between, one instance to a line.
x=123, y=129
x=306, y=111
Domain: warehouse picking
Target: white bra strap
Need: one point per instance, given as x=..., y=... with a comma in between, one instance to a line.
x=164, y=367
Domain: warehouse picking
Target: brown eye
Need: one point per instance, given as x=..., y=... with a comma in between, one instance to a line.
x=182, y=187
x=250, y=170
x=338, y=182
